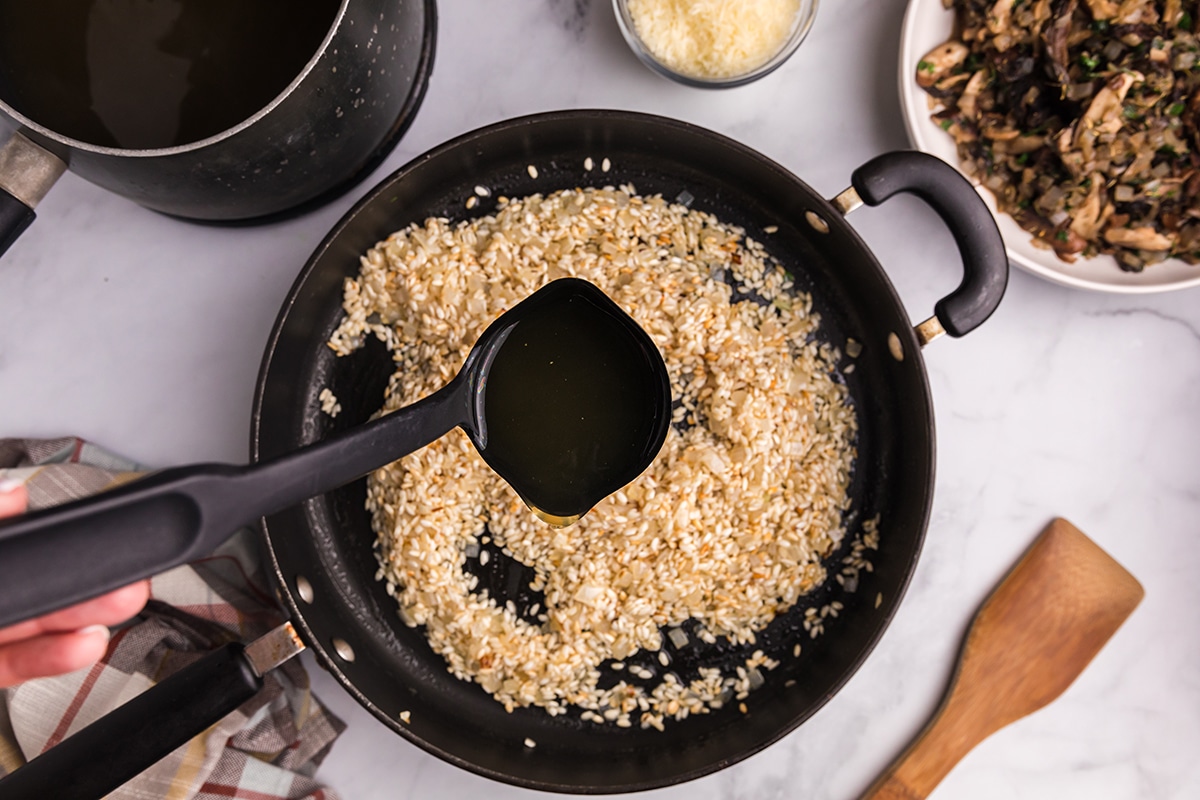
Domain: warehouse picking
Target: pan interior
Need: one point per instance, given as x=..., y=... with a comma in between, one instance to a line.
x=329, y=540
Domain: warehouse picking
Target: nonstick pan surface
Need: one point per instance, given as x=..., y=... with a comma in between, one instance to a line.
x=322, y=552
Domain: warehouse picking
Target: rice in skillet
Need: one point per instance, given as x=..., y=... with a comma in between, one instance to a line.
x=729, y=524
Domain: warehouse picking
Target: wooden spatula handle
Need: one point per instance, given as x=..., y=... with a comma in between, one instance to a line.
x=1036, y=632
x=946, y=739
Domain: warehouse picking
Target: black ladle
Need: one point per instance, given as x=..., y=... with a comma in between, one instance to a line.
x=63, y=555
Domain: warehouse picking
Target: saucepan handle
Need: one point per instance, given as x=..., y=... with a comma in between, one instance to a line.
x=92, y=762
x=985, y=263
x=27, y=171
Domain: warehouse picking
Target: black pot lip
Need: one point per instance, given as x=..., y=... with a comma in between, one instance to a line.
x=912, y=348
x=372, y=160
x=26, y=124
x=76, y=144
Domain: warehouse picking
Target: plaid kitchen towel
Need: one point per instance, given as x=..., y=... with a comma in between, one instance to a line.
x=268, y=748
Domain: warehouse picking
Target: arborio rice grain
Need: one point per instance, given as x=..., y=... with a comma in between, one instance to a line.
x=729, y=524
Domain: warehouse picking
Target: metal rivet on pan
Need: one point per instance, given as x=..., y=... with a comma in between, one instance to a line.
x=304, y=589
x=819, y=225
x=343, y=649
x=929, y=330
x=894, y=347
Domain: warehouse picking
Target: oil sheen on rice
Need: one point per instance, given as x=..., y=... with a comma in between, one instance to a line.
x=144, y=74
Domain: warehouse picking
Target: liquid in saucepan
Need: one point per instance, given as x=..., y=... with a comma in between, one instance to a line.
x=572, y=403
x=144, y=74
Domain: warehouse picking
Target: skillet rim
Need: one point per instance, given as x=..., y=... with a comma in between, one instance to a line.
x=463, y=142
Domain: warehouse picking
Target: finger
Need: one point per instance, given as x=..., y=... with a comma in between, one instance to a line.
x=108, y=609
x=13, y=497
x=51, y=654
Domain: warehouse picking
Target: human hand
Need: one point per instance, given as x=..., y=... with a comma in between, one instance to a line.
x=66, y=640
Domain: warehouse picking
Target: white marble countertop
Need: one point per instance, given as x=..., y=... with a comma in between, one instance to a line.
x=144, y=334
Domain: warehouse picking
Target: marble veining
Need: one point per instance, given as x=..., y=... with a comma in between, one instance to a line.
x=145, y=333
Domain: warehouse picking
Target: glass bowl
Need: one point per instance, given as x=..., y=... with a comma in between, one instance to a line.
x=805, y=15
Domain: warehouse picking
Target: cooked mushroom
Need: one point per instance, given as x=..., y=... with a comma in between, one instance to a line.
x=1082, y=117
x=1087, y=219
x=1143, y=238
x=939, y=61
x=1135, y=12
x=1107, y=110
x=968, y=103
x=1056, y=36
x=998, y=17
x=1102, y=9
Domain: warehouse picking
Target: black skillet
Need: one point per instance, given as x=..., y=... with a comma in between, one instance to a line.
x=321, y=551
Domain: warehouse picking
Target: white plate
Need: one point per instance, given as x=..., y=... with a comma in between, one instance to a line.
x=926, y=25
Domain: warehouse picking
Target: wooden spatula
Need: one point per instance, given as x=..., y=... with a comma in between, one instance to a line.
x=1041, y=626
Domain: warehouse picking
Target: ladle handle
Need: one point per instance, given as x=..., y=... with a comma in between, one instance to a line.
x=61, y=556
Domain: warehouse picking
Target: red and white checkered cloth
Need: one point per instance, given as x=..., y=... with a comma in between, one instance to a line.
x=267, y=749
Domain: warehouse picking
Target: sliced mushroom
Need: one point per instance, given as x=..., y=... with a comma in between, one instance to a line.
x=999, y=19
x=998, y=133
x=1056, y=36
x=1025, y=144
x=1133, y=12
x=1041, y=13
x=1071, y=156
x=1193, y=113
x=1173, y=13
x=1142, y=160
x=1102, y=9
x=1144, y=238
x=939, y=61
x=1164, y=188
x=949, y=82
x=1064, y=241
x=1105, y=115
x=1090, y=216
x=968, y=104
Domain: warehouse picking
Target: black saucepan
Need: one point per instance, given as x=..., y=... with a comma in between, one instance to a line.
x=327, y=130
x=321, y=551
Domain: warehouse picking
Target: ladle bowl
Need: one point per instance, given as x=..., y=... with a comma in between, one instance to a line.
x=179, y=514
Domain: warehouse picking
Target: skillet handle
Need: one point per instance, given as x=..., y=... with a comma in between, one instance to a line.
x=27, y=171
x=15, y=217
x=985, y=263
x=130, y=739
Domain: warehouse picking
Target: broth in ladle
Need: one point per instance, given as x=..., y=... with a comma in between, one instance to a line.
x=572, y=407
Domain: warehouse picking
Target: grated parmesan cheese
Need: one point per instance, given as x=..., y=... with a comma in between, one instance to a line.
x=713, y=38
